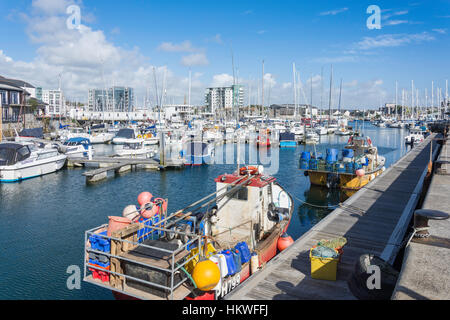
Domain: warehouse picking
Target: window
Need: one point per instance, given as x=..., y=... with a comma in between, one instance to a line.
x=241, y=194
x=23, y=153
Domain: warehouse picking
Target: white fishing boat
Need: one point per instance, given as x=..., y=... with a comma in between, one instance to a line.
x=73, y=132
x=24, y=160
x=415, y=136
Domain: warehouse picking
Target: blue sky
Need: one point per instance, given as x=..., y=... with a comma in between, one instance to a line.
x=122, y=41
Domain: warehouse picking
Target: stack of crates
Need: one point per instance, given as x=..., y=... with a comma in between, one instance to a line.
x=99, y=242
x=145, y=232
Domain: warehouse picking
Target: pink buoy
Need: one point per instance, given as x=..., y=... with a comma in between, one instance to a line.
x=117, y=223
x=360, y=173
x=150, y=212
x=144, y=197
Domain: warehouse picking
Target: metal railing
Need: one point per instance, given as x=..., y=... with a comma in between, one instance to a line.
x=174, y=266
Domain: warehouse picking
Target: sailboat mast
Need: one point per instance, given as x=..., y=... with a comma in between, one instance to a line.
x=295, y=91
x=329, y=100
x=396, y=99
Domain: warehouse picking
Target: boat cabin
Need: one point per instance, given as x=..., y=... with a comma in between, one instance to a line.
x=250, y=213
x=11, y=153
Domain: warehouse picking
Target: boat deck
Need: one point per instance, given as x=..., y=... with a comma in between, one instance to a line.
x=374, y=221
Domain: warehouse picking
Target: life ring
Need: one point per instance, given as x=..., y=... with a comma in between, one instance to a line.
x=139, y=136
x=249, y=169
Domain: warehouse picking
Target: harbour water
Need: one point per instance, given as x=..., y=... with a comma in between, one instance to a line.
x=44, y=219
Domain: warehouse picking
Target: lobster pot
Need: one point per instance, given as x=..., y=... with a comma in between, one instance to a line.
x=313, y=164
x=304, y=164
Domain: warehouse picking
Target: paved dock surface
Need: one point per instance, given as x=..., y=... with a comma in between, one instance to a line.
x=425, y=273
x=374, y=221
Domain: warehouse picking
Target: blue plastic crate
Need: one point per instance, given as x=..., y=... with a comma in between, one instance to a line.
x=100, y=243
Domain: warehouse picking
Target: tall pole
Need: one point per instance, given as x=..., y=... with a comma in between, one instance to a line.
x=412, y=98
x=432, y=99
x=396, y=99
x=295, y=90
x=329, y=100
x=262, y=87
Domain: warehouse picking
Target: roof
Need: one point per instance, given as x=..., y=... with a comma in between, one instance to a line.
x=17, y=83
x=259, y=181
x=79, y=139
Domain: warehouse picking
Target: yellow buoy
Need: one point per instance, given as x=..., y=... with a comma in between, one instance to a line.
x=206, y=275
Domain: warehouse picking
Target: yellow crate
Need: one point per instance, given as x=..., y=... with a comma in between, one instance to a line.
x=323, y=268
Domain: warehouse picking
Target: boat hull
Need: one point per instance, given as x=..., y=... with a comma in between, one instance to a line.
x=16, y=173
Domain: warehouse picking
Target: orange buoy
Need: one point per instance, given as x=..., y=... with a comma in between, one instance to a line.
x=284, y=242
x=144, y=197
x=360, y=173
x=206, y=275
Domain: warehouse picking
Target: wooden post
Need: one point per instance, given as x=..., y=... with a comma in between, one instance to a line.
x=162, y=151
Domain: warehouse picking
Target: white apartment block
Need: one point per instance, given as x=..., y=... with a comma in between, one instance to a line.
x=56, y=102
x=224, y=98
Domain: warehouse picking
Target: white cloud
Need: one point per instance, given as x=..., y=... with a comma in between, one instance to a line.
x=216, y=39
x=441, y=31
x=185, y=46
x=222, y=80
x=261, y=32
x=333, y=12
x=393, y=40
x=395, y=22
x=87, y=59
x=195, y=59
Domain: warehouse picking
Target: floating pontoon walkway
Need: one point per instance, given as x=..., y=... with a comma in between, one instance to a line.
x=374, y=221
x=425, y=273
x=119, y=165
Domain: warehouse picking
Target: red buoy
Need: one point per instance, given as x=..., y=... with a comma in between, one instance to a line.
x=284, y=242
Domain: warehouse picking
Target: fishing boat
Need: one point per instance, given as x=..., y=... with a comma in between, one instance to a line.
x=201, y=252
x=416, y=135
x=24, y=160
x=359, y=164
